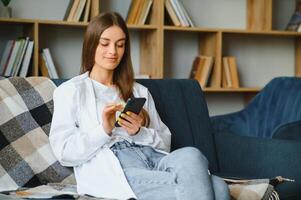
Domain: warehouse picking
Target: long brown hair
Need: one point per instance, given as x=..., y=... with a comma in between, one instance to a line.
x=123, y=76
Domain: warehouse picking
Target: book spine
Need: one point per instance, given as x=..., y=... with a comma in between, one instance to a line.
x=27, y=57
x=87, y=11
x=12, y=58
x=50, y=63
x=79, y=10
x=173, y=16
x=5, y=57
x=94, y=8
x=17, y=69
x=73, y=10
x=179, y=13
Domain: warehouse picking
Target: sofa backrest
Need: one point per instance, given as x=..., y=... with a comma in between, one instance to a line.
x=271, y=110
x=182, y=107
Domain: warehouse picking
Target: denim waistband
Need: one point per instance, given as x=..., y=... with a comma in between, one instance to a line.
x=123, y=145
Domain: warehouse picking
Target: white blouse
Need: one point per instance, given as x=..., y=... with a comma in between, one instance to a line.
x=79, y=140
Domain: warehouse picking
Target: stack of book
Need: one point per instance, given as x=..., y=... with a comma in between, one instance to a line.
x=177, y=13
x=47, y=67
x=16, y=57
x=81, y=10
x=230, y=73
x=203, y=71
x=139, y=11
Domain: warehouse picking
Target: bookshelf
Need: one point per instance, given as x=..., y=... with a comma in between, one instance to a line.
x=252, y=33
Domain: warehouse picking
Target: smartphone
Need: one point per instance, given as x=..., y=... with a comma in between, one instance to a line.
x=133, y=105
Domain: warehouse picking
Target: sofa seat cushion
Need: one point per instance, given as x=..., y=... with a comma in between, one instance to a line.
x=26, y=159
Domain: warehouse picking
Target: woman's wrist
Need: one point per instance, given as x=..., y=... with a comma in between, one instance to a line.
x=137, y=131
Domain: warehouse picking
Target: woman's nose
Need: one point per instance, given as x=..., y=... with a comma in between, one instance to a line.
x=112, y=49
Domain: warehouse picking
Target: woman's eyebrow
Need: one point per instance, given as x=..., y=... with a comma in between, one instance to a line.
x=107, y=39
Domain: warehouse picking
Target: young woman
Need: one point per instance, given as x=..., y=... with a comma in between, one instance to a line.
x=133, y=160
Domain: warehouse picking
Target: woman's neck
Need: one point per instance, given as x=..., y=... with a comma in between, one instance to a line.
x=104, y=77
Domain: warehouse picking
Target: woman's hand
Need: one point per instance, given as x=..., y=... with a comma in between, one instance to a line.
x=131, y=122
x=108, y=116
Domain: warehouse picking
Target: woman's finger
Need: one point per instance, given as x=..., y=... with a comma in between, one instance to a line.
x=129, y=118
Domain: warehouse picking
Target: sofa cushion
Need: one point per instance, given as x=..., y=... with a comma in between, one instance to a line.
x=277, y=104
x=26, y=158
x=289, y=131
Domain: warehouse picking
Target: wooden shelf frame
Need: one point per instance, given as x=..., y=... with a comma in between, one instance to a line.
x=258, y=23
x=259, y=17
x=151, y=45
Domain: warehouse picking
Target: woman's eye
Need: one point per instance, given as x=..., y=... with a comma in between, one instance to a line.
x=104, y=44
x=120, y=45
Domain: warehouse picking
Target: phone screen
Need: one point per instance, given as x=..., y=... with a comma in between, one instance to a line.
x=134, y=105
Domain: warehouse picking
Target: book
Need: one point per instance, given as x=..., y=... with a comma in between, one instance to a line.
x=179, y=13
x=233, y=71
x=26, y=60
x=73, y=10
x=227, y=82
x=21, y=57
x=187, y=18
x=138, y=12
x=194, y=67
x=145, y=11
x=5, y=56
x=79, y=10
x=172, y=14
x=130, y=19
x=216, y=77
x=50, y=64
x=43, y=69
x=18, y=56
x=94, y=8
x=12, y=58
x=295, y=20
x=87, y=11
x=68, y=10
x=204, y=70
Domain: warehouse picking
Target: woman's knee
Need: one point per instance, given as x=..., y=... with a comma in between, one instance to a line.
x=191, y=153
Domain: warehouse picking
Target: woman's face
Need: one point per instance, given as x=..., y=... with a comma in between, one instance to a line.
x=110, y=49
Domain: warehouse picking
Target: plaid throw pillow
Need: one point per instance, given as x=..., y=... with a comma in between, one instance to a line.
x=26, y=159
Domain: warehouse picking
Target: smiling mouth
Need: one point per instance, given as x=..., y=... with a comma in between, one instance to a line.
x=112, y=59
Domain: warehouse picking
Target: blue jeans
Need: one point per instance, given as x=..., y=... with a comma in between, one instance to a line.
x=182, y=174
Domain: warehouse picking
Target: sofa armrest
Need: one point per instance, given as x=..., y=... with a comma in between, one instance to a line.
x=242, y=156
x=229, y=123
x=289, y=131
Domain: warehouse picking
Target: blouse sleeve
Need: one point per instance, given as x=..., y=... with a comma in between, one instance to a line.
x=71, y=145
x=157, y=134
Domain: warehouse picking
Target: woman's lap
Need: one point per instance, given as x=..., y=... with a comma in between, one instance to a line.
x=181, y=174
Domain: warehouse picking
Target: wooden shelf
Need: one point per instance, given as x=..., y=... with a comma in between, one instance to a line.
x=272, y=32
x=190, y=29
x=233, y=31
x=16, y=20
x=152, y=46
x=66, y=23
x=142, y=27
